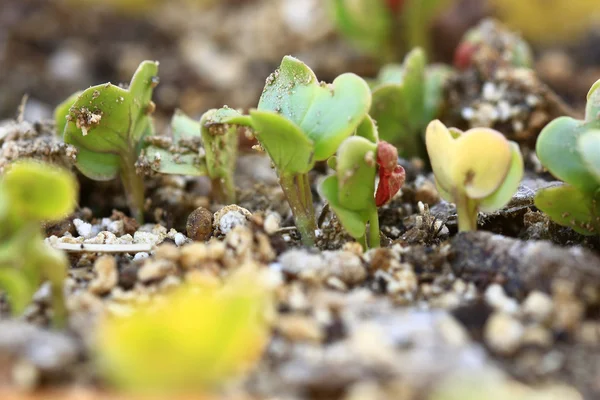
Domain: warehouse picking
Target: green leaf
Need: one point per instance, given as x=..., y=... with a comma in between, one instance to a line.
x=436, y=77
x=98, y=166
x=556, y=148
x=184, y=127
x=592, y=108
x=37, y=191
x=17, y=288
x=368, y=129
x=398, y=107
x=353, y=222
x=165, y=161
x=368, y=24
x=62, y=111
x=507, y=189
x=588, y=146
x=356, y=170
x=326, y=114
x=289, y=149
x=569, y=206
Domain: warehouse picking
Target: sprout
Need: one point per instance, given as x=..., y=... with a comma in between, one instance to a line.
x=300, y=121
x=570, y=150
x=350, y=192
x=32, y=192
x=107, y=125
x=405, y=99
x=193, y=338
x=478, y=170
x=208, y=147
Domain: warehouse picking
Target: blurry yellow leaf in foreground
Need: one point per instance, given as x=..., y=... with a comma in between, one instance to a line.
x=194, y=339
x=549, y=20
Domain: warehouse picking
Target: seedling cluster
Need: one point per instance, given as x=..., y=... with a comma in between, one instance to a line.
x=570, y=150
x=32, y=193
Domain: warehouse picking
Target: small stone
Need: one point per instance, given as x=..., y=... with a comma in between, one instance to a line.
x=503, y=333
x=153, y=270
x=180, y=239
x=299, y=328
x=199, y=224
x=107, y=275
x=140, y=256
x=495, y=297
x=538, y=306
x=146, y=238
x=229, y=217
x=83, y=228
x=25, y=375
x=167, y=251
x=536, y=335
x=271, y=224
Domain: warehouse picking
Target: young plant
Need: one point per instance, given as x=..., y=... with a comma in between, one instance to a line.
x=107, y=125
x=300, y=121
x=30, y=193
x=192, y=339
x=351, y=191
x=478, y=170
x=405, y=99
x=570, y=150
x=386, y=28
x=208, y=147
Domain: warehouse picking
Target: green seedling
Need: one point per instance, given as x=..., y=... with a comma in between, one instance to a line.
x=570, y=150
x=30, y=193
x=107, y=125
x=351, y=191
x=478, y=170
x=405, y=99
x=193, y=339
x=386, y=28
x=300, y=121
x=208, y=147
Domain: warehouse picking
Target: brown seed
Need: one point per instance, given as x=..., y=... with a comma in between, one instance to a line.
x=199, y=224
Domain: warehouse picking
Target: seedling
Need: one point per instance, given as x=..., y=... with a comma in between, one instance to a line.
x=570, y=150
x=478, y=170
x=405, y=99
x=208, y=147
x=107, y=125
x=300, y=121
x=351, y=191
x=193, y=338
x=386, y=28
x=32, y=192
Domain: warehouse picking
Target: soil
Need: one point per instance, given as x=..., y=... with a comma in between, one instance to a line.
x=513, y=308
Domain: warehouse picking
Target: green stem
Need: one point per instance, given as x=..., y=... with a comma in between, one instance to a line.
x=363, y=242
x=467, y=213
x=297, y=191
x=374, y=239
x=134, y=188
x=223, y=190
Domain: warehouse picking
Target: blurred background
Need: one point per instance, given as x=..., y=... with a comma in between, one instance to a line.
x=214, y=52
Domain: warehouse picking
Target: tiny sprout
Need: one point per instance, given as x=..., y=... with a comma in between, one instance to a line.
x=570, y=150
x=207, y=147
x=194, y=338
x=107, y=125
x=350, y=191
x=30, y=193
x=405, y=99
x=478, y=170
x=300, y=121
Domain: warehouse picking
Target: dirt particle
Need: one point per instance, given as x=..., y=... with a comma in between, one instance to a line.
x=199, y=224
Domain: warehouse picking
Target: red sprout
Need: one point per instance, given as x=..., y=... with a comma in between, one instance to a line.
x=395, y=5
x=463, y=56
x=391, y=175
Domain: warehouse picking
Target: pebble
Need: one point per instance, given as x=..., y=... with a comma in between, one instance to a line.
x=503, y=333
x=229, y=217
x=199, y=224
x=536, y=335
x=538, y=306
x=107, y=275
x=83, y=228
x=272, y=223
x=495, y=297
x=299, y=328
x=146, y=237
x=155, y=269
x=142, y=255
x=180, y=239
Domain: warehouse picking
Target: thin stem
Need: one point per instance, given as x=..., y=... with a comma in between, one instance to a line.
x=363, y=242
x=134, y=188
x=297, y=191
x=223, y=190
x=374, y=239
x=467, y=213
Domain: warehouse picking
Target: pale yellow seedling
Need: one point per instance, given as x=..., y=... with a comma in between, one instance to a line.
x=478, y=170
